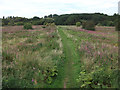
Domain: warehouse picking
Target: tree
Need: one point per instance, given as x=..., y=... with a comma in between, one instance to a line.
x=35, y=18
x=45, y=16
x=3, y=17
x=117, y=26
x=50, y=16
x=55, y=15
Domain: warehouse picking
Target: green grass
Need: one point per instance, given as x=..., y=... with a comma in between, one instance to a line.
x=72, y=63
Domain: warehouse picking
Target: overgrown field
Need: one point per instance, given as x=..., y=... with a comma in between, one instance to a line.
x=31, y=58
x=60, y=57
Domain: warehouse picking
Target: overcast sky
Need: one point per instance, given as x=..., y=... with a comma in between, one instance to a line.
x=40, y=8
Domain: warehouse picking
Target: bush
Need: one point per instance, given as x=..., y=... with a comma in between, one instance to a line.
x=19, y=23
x=78, y=24
x=11, y=24
x=36, y=23
x=27, y=26
x=52, y=24
x=89, y=25
x=49, y=24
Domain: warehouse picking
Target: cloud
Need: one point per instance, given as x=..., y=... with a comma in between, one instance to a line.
x=30, y=8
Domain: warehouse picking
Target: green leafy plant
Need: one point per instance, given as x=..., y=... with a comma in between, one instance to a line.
x=78, y=24
x=19, y=23
x=28, y=26
x=84, y=79
x=49, y=73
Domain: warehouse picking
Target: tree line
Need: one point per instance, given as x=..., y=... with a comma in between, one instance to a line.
x=65, y=19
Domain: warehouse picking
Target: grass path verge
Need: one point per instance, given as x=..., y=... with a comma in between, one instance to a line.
x=71, y=64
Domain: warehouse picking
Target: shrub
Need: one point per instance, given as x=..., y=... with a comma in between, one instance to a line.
x=84, y=79
x=27, y=26
x=11, y=24
x=36, y=23
x=49, y=24
x=52, y=24
x=78, y=24
x=19, y=23
x=89, y=25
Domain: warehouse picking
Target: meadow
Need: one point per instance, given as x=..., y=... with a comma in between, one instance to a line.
x=59, y=57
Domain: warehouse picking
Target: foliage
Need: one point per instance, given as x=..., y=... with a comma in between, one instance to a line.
x=36, y=23
x=49, y=24
x=50, y=73
x=19, y=23
x=117, y=26
x=78, y=24
x=89, y=25
x=99, y=78
x=84, y=79
x=27, y=26
x=65, y=19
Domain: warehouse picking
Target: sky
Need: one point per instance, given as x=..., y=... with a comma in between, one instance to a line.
x=40, y=8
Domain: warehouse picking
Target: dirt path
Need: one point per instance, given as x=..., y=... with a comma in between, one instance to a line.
x=72, y=57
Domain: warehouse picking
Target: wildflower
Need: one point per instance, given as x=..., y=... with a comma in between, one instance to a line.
x=32, y=80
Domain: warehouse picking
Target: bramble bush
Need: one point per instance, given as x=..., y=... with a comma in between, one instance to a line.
x=89, y=25
x=28, y=26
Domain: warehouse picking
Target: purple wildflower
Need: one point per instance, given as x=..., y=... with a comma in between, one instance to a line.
x=32, y=80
